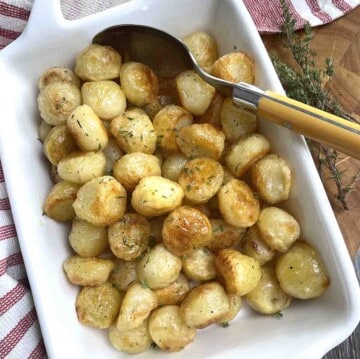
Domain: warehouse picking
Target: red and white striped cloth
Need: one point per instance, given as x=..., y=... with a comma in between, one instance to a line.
x=20, y=335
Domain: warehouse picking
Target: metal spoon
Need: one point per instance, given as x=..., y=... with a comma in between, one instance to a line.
x=167, y=56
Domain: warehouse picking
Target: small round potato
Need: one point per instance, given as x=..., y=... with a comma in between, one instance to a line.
x=55, y=74
x=158, y=268
x=87, y=271
x=123, y=274
x=57, y=100
x=201, y=140
x=155, y=195
x=237, y=204
x=185, y=229
x=98, y=306
x=87, y=129
x=245, y=152
x=133, y=167
x=139, y=82
x=80, y=167
x=129, y=238
x=97, y=62
x=235, y=304
x=235, y=67
x=212, y=114
x=278, y=228
x=134, y=131
x=173, y=165
x=268, y=297
x=112, y=153
x=240, y=273
x=205, y=305
x=194, y=93
x=101, y=201
x=301, y=272
x=86, y=239
x=168, y=329
x=106, y=98
x=271, y=176
x=58, y=203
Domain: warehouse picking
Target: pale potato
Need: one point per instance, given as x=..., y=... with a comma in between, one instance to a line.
x=235, y=304
x=139, y=83
x=101, y=201
x=168, y=329
x=278, y=228
x=129, y=237
x=301, y=272
x=136, y=306
x=131, y=168
x=57, y=100
x=205, y=305
x=86, y=239
x=155, y=195
x=87, y=271
x=43, y=130
x=87, y=129
x=237, y=204
x=185, y=229
x=158, y=268
x=240, y=273
x=106, y=98
x=80, y=167
x=97, y=62
x=194, y=93
x=268, y=297
x=201, y=140
x=235, y=67
x=58, y=203
x=134, y=131
x=271, y=176
x=123, y=274
x=213, y=113
x=98, y=306
x=173, y=165
x=245, y=152
x=55, y=74
x=112, y=153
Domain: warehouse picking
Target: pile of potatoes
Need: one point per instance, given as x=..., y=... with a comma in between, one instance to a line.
x=173, y=197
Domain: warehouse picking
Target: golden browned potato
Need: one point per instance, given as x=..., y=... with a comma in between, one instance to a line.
x=272, y=178
x=268, y=297
x=237, y=204
x=235, y=67
x=87, y=129
x=201, y=140
x=101, y=201
x=201, y=179
x=132, y=341
x=86, y=239
x=199, y=265
x=139, y=82
x=106, y=98
x=301, y=272
x=158, y=268
x=194, y=93
x=134, y=131
x=224, y=235
x=166, y=124
x=184, y=229
x=97, y=62
x=235, y=304
x=112, y=153
x=129, y=237
x=240, y=273
x=55, y=74
x=132, y=167
x=136, y=306
x=245, y=152
x=98, y=306
x=212, y=114
x=173, y=165
x=80, y=167
x=87, y=271
x=278, y=228
x=168, y=329
x=57, y=100
x=123, y=274
x=58, y=203
x=205, y=305
x=155, y=195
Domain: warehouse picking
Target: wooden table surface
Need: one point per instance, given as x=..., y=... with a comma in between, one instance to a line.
x=340, y=40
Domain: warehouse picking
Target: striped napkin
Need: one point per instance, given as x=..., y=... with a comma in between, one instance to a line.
x=20, y=335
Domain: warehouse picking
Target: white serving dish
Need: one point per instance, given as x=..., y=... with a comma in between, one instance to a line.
x=308, y=329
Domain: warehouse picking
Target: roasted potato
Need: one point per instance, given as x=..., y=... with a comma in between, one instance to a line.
x=173, y=165
x=123, y=274
x=56, y=74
